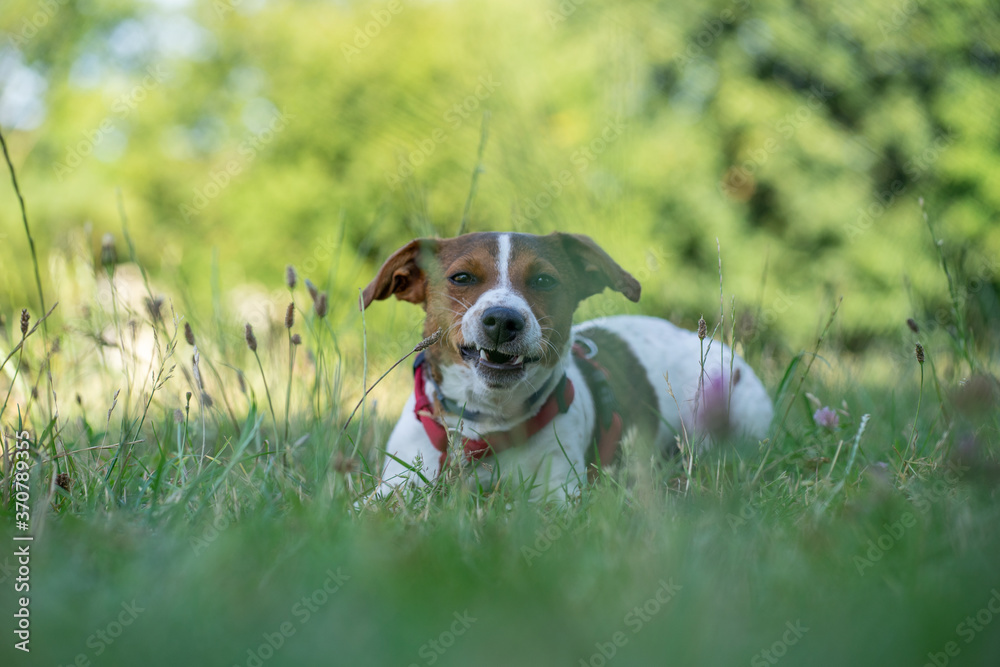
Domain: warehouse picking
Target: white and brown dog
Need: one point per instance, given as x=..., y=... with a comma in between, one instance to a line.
x=514, y=386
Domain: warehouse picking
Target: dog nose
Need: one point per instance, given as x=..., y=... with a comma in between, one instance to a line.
x=502, y=324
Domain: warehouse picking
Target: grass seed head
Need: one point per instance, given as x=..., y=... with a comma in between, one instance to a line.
x=188, y=333
x=321, y=305
x=64, y=482
x=296, y=339
x=345, y=465
x=920, y=353
x=153, y=307
x=25, y=319
x=313, y=292
x=430, y=340
x=290, y=316
x=251, y=339
x=290, y=278
x=702, y=328
x=913, y=325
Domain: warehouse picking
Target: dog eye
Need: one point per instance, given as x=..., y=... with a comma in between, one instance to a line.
x=463, y=278
x=543, y=282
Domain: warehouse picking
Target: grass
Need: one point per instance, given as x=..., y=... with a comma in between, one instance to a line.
x=176, y=521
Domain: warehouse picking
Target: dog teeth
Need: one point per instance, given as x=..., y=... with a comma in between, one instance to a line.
x=511, y=361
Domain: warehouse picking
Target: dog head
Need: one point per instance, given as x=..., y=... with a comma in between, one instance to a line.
x=503, y=301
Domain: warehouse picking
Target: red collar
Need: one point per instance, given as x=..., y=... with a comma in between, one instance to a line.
x=557, y=403
x=608, y=427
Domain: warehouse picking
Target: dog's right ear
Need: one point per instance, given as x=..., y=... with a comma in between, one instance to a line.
x=402, y=274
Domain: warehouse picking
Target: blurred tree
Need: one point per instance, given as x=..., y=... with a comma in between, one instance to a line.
x=323, y=134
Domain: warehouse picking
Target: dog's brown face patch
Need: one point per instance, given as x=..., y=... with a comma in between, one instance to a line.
x=548, y=275
x=448, y=301
x=542, y=273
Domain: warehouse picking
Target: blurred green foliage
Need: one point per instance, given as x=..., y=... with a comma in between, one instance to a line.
x=325, y=135
x=245, y=135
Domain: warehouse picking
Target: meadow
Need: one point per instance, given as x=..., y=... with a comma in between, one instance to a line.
x=184, y=367
x=228, y=530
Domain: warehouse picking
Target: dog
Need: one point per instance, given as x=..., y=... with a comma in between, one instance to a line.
x=517, y=390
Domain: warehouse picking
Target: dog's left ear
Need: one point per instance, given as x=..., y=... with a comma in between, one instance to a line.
x=595, y=268
x=402, y=274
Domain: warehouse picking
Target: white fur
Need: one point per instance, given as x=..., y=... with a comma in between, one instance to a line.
x=529, y=341
x=554, y=458
x=502, y=408
x=503, y=260
x=671, y=354
x=464, y=385
x=409, y=442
